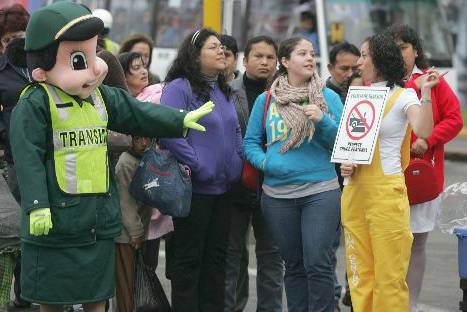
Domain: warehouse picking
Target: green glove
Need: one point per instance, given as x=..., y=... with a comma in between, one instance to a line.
x=40, y=222
x=192, y=117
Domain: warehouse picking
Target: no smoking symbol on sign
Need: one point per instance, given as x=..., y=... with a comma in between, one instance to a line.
x=360, y=120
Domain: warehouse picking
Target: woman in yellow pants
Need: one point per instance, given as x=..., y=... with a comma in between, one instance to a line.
x=375, y=208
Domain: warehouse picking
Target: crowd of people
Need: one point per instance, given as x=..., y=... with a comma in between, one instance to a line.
x=278, y=116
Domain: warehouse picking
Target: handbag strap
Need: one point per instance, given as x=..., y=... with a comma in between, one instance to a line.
x=265, y=114
x=266, y=107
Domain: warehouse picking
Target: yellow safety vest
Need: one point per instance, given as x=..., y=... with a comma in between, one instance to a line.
x=111, y=46
x=80, y=142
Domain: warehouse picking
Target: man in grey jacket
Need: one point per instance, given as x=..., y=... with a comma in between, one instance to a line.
x=260, y=63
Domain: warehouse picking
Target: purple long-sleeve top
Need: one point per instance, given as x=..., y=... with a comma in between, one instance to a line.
x=215, y=157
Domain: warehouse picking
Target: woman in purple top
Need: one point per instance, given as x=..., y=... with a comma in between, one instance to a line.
x=196, y=255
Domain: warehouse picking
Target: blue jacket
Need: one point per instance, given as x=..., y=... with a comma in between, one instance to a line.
x=305, y=164
x=214, y=156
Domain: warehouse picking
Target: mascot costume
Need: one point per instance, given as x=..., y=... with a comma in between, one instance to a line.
x=70, y=205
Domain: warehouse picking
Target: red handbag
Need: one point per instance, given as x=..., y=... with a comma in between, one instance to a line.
x=250, y=175
x=420, y=179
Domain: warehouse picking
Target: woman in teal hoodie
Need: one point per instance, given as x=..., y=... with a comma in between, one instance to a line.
x=301, y=196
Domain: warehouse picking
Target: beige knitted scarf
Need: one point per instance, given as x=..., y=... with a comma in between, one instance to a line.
x=288, y=102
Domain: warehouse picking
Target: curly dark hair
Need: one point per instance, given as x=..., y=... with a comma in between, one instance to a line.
x=12, y=19
x=186, y=65
x=407, y=34
x=387, y=59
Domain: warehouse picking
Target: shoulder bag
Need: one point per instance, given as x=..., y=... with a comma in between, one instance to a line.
x=250, y=175
x=161, y=181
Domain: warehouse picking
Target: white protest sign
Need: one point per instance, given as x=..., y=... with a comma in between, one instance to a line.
x=359, y=125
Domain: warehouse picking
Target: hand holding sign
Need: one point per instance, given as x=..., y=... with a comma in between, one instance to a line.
x=359, y=126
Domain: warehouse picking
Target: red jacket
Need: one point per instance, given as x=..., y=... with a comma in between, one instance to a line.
x=448, y=123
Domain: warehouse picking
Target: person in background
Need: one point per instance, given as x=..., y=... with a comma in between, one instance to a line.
x=197, y=253
x=448, y=123
x=14, y=75
x=136, y=73
x=342, y=64
x=260, y=63
x=143, y=45
x=107, y=19
x=135, y=220
x=154, y=224
x=375, y=207
x=301, y=195
x=307, y=29
x=231, y=56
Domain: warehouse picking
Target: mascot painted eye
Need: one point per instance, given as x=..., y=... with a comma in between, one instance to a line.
x=78, y=61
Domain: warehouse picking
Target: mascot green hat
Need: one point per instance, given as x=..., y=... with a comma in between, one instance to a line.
x=61, y=21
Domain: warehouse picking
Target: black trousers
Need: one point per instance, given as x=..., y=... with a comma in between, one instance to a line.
x=14, y=189
x=197, y=254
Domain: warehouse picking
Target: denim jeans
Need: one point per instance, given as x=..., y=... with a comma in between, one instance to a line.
x=305, y=229
x=269, y=280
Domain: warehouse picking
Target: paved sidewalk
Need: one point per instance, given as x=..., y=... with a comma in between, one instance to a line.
x=457, y=148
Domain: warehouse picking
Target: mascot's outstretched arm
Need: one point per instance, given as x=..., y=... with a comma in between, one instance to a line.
x=190, y=120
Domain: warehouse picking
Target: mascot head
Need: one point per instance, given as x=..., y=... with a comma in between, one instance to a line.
x=60, y=47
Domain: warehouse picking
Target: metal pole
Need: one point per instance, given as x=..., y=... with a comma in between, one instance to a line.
x=227, y=23
x=323, y=40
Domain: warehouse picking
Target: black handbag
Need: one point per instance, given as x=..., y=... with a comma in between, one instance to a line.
x=161, y=181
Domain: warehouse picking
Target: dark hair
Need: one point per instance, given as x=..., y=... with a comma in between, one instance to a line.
x=266, y=39
x=407, y=34
x=186, y=65
x=230, y=43
x=129, y=42
x=307, y=15
x=127, y=58
x=286, y=48
x=387, y=59
x=343, y=47
x=12, y=19
x=45, y=58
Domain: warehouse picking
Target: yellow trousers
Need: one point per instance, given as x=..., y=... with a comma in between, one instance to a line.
x=378, y=240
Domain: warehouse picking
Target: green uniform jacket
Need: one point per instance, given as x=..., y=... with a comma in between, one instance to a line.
x=78, y=220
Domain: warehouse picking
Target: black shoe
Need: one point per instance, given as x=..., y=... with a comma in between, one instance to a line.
x=347, y=300
x=15, y=306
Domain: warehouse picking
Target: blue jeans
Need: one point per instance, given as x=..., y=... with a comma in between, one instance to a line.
x=305, y=229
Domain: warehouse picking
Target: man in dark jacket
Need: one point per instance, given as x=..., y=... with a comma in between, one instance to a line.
x=260, y=65
x=342, y=63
